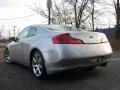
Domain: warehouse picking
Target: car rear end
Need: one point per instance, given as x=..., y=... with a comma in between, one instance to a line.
x=79, y=49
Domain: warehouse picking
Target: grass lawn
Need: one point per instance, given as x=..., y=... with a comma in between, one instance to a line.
x=1, y=54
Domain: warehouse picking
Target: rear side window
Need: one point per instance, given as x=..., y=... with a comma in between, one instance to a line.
x=23, y=34
x=32, y=31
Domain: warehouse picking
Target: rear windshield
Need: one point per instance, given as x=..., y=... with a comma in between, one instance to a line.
x=61, y=28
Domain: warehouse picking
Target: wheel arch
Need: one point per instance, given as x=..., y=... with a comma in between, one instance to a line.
x=6, y=48
x=32, y=51
x=44, y=71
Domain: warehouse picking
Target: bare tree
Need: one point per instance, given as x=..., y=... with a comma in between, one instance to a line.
x=77, y=13
x=67, y=12
x=85, y=13
x=117, y=11
x=79, y=8
x=92, y=13
x=117, y=15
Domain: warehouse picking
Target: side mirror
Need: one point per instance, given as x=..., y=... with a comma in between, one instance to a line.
x=12, y=39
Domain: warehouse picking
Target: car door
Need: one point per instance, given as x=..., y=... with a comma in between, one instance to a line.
x=26, y=44
x=19, y=44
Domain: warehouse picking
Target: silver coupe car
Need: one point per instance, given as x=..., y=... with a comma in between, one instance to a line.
x=47, y=49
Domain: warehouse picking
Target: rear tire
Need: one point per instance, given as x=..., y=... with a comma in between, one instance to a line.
x=38, y=66
x=7, y=57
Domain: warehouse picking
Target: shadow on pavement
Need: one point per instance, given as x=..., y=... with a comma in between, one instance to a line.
x=74, y=75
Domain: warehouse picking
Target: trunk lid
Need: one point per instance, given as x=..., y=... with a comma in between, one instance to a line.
x=90, y=37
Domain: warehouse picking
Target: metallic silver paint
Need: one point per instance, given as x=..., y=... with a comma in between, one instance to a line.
x=59, y=57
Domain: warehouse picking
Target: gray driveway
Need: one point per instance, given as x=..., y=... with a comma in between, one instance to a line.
x=17, y=77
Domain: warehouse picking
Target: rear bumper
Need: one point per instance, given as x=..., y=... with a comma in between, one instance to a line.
x=73, y=56
x=83, y=50
x=75, y=64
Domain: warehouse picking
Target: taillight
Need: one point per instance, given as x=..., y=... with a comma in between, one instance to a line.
x=66, y=39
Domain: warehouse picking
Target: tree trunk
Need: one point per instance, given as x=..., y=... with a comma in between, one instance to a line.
x=76, y=21
x=117, y=33
x=92, y=13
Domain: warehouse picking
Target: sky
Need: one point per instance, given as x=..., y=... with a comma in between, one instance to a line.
x=11, y=10
x=12, y=13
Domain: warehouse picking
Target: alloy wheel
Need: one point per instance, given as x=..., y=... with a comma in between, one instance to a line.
x=7, y=58
x=37, y=64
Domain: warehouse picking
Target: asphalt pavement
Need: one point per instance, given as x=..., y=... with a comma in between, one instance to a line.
x=115, y=55
x=17, y=77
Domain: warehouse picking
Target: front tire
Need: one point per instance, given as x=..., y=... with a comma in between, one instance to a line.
x=38, y=66
x=7, y=57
